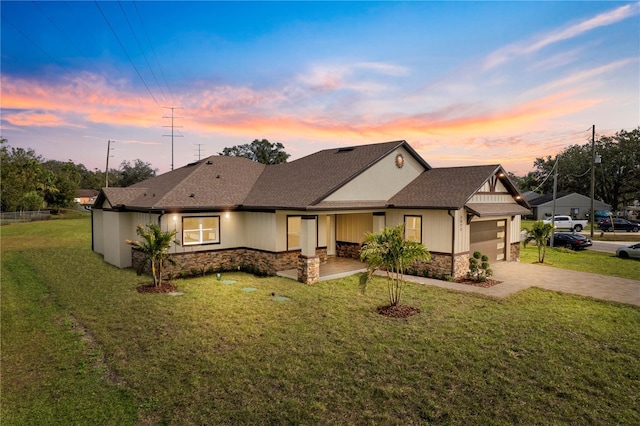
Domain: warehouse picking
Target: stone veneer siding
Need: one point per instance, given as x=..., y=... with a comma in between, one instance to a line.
x=211, y=261
x=440, y=266
x=348, y=250
x=514, y=252
x=309, y=269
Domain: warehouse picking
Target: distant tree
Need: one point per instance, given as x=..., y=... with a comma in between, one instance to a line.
x=524, y=183
x=617, y=177
x=128, y=174
x=20, y=174
x=261, y=151
x=540, y=232
x=65, y=177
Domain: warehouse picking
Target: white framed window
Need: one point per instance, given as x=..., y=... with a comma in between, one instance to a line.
x=294, y=226
x=200, y=230
x=413, y=228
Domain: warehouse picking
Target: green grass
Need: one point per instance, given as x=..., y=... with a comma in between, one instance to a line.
x=584, y=260
x=218, y=355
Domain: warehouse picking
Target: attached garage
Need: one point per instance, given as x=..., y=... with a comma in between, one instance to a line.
x=489, y=237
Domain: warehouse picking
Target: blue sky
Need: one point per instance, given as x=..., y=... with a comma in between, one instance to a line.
x=463, y=82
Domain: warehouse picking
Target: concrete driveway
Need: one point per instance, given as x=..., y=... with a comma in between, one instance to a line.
x=516, y=276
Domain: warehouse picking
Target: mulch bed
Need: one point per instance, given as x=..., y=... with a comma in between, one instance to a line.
x=166, y=287
x=485, y=284
x=398, y=311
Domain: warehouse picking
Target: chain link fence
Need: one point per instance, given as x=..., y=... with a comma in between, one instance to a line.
x=24, y=216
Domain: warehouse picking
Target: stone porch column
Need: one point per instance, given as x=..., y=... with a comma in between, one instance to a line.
x=308, y=262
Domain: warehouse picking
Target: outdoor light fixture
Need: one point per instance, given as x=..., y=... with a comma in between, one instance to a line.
x=226, y=215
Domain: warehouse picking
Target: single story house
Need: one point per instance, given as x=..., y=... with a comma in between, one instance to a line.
x=573, y=204
x=230, y=212
x=86, y=197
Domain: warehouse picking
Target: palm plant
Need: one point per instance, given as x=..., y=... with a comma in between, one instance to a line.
x=389, y=250
x=155, y=245
x=540, y=233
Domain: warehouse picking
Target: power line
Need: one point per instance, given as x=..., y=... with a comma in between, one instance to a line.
x=126, y=53
x=57, y=62
x=141, y=49
x=135, y=5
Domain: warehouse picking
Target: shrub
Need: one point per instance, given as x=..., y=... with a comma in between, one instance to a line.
x=479, y=268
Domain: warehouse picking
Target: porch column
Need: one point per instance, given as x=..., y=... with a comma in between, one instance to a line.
x=308, y=262
x=378, y=222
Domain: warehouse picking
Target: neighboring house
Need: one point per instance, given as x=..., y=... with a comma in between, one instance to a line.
x=86, y=197
x=230, y=212
x=572, y=204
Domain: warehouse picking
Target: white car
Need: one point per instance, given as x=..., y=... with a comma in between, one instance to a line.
x=629, y=252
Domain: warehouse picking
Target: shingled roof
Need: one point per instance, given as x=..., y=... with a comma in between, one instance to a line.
x=448, y=188
x=217, y=182
x=223, y=183
x=307, y=181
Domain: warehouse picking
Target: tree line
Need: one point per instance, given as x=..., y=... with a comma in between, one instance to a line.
x=29, y=182
x=617, y=176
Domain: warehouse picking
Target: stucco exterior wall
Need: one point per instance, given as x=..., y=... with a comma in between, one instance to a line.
x=116, y=229
x=514, y=230
x=351, y=228
x=381, y=181
x=97, y=230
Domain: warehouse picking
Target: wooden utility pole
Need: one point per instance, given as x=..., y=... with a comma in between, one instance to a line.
x=106, y=169
x=553, y=209
x=592, y=215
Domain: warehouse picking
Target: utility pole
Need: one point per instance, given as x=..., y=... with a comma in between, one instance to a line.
x=592, y=215
x=553, y=209
x=199, y=153
x=106, y=170
x=172, y=128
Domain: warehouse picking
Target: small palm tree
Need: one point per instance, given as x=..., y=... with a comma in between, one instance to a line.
x=540, y=233
x=155, y=245
x=389, y=250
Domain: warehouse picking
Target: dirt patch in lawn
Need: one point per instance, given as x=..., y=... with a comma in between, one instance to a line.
x=485, y=284
x=398, y=311
x=166, y=287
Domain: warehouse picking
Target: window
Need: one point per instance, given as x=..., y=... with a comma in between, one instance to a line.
x=413, y=228
x=294, y=225
x=200, y=230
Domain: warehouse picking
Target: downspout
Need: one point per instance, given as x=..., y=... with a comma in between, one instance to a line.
x=453, y=240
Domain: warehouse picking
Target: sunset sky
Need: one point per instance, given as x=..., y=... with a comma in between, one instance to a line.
x=463, y=82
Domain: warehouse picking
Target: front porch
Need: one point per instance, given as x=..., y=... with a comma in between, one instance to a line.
x=334, y=267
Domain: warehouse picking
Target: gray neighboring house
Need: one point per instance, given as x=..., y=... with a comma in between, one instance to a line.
x=230, y=212
x=573, y=204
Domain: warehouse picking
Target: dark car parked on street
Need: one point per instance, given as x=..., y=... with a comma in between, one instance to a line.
x=619, y=224
x=570, y=240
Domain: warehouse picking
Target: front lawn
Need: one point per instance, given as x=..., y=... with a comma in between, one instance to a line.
x=584, y=260
x=76, y=334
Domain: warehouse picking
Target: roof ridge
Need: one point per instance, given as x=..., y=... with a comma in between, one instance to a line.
x=357, y=173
